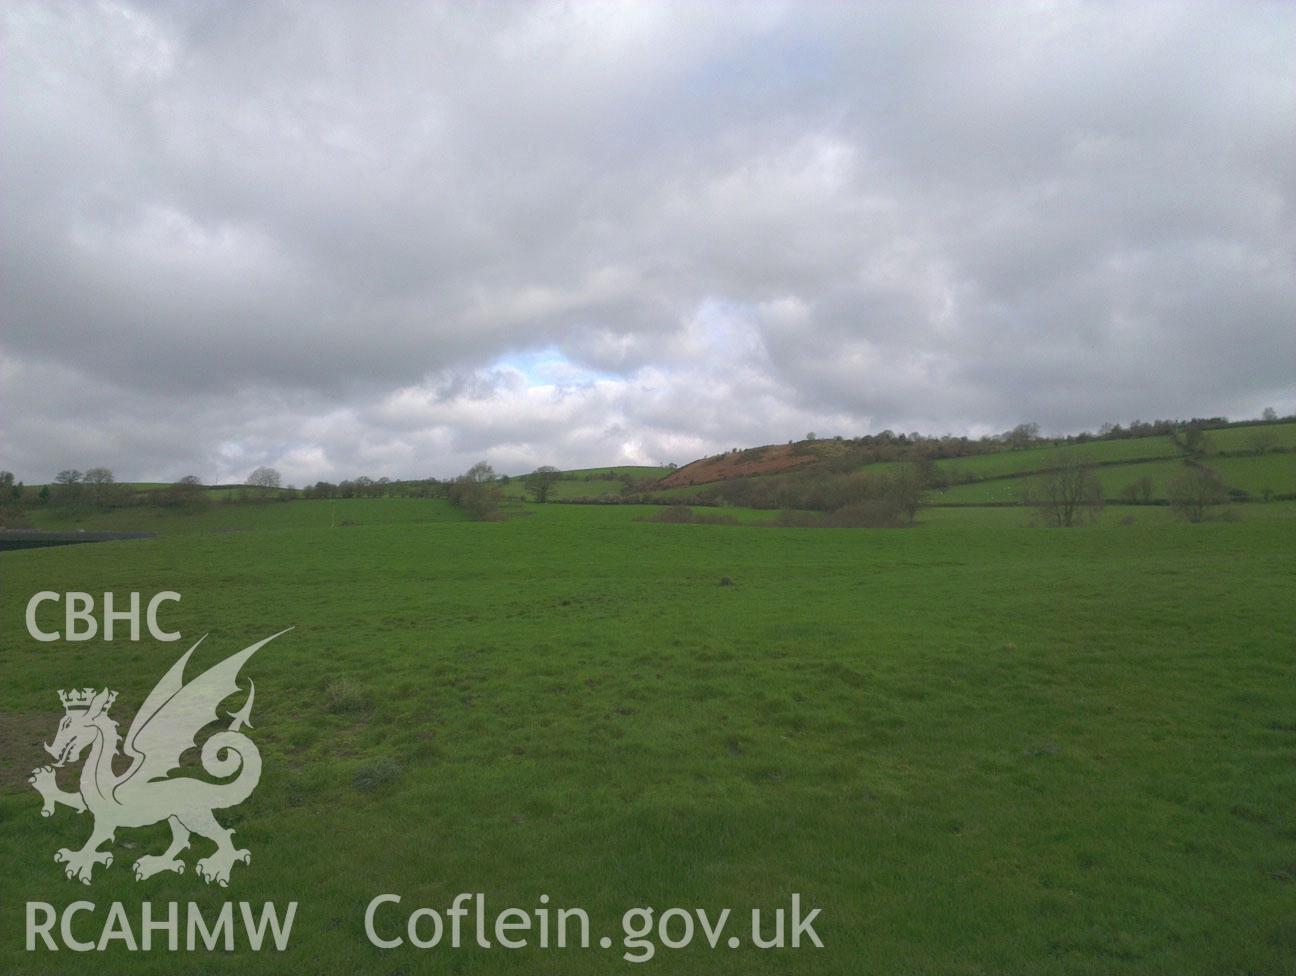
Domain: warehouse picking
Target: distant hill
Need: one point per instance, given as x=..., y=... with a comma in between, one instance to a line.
x=1256, y=460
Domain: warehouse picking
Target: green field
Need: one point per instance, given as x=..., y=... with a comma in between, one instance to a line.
x=1004, y=463
x=1276, y=472
x=617, y=470
x=567, y=488
x=978, y=747
x=1113, y=478
x=1245, y=438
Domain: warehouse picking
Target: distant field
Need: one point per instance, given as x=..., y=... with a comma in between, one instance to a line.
x=588, y=482
x=568, y=488
x=1095, y=452
x=1276, y=472
x=978, y=747
x=268, y=516
x=616, y=471
x=1244, y=438
x=1251, y=474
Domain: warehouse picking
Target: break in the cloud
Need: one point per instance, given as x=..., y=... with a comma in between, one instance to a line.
x=394, y=239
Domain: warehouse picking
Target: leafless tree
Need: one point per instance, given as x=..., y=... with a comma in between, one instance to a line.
x=264, y=477
x=1195, y=492
x=1023, y=435
x=1067, y=493
x=100, y=487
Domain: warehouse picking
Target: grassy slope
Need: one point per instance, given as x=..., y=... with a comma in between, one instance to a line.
x=978, y=747
x=1095, y=452
x=1252, y=474
x=1242, y=438
x=998, y=476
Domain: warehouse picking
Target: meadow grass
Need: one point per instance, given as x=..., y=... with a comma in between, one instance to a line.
x=979, y=747
x=1002, y=463
x=1252, y=474
x=570, y=488
x=1274, y=472
x=1243, y=438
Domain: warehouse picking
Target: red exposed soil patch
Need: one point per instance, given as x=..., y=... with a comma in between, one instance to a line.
x=773, y=459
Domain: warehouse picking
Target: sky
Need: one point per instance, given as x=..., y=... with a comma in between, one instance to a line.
x=393, y=239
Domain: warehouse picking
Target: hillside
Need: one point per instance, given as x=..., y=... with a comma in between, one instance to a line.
x=1255, y=461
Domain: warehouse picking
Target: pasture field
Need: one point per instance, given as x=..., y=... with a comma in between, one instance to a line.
x=1245, y=438
x=618, y=470
x=1112, y=477
x=1004, y=463
x=1274, y=472
x=977, y=747
x=1252, y=474
x=569, y=488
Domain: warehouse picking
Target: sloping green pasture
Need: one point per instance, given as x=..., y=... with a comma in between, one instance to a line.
x=1249, y=437
x=1252, y=474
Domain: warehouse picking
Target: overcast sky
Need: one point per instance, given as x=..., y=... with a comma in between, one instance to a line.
x=394, y=239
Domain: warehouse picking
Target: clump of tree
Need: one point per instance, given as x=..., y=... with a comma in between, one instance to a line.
x=264, y=483
x=1067, y=494
x=11, y=491
x=94, y=487
x=541, y=481
x=476, y=491
x=264, y=477
x=1196, y=493
x=67, y=487
x=867, y=498
x=186, y=495
x=1192, y=439
x=1022, y=436
x=101, y=489
x=11, y=497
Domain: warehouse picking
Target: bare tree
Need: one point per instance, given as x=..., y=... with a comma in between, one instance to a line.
x=1023, y=435
x=264, y=477
x=69, y=485
x=1269, y=415
x=100, y=486
x=1066, y=493
x=540, y=482
x=1195, y=492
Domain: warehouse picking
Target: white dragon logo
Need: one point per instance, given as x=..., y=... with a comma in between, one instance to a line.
x=167, y=724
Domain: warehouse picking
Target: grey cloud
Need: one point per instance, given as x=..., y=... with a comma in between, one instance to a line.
x=324, y=238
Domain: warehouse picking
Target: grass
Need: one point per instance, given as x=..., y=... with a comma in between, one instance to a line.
x=617, y=471
x=1243, y=438
x=978, y=747
x=567, y=489
x=1254, y=474
x=1003, y=463
x=1275, y=472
